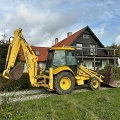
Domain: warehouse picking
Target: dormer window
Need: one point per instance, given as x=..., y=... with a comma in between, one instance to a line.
x=86, y=36
x=37, y=52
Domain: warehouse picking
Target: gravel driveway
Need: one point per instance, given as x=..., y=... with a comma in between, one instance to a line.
x=36, y=93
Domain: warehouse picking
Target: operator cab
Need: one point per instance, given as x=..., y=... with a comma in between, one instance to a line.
x=62, y=56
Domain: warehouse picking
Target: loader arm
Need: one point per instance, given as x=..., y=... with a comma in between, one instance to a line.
x=30, y=57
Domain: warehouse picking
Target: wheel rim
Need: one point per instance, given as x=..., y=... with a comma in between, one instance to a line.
x=65, y=83
x=95, y=84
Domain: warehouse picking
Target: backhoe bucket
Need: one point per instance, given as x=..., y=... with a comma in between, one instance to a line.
x=17, y=71
x=109, y=79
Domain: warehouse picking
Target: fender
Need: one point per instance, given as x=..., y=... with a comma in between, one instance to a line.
x=62, y=68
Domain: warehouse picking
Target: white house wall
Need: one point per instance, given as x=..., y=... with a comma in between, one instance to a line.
x=41, y=65
x=88, y=64
x=104, y=62
x=25, y=68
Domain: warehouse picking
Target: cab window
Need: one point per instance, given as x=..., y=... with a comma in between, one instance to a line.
x=70, y=58
x=59, y=58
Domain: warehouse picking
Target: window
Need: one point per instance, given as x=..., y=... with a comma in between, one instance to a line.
x=70, y=58
x=37, y=52
x=49, y=60
x=50, y=54
x=59, y=58
x=92, y=49
x=86, y=36
x=79, y=46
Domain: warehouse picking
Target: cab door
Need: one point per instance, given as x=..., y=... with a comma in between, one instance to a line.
x=71, y=60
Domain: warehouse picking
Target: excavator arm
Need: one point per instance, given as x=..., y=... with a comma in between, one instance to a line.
x=11, y=55
x=30, y=57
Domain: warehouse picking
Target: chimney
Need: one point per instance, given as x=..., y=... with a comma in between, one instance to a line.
x=56, y=40
x=69, y=34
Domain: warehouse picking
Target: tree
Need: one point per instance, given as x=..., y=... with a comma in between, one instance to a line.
x=3, y=54
x=114, y=46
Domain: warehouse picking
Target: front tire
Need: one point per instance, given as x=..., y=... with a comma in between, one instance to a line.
x=94, y=84
x=64, y=82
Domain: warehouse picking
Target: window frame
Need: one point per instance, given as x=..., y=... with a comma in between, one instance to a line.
x=93, y=50
x=37, y=52
x=80, y=46
x=85, y=36
x=59, y=62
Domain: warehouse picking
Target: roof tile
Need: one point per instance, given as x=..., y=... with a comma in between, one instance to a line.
x=43, y=53
x=69, y=40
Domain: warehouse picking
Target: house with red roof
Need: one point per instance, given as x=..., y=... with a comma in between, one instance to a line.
x=89, y=50
x=40, y=52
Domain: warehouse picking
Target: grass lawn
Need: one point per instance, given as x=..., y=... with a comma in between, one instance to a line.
x=90, y=105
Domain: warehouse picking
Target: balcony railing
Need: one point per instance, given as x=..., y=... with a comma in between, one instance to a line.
x=98, y=52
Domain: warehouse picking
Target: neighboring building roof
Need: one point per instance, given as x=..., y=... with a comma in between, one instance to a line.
x=69, y=40
x=42, y=53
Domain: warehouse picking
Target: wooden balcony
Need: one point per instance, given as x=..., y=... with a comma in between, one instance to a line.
x=99, y=53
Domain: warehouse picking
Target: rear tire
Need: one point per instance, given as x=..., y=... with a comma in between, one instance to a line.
x=94, y=84
x=64, y=82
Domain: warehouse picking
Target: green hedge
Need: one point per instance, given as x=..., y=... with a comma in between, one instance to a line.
x=9, y=85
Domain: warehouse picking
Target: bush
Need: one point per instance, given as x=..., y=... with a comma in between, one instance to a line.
x=9, y=85
x=24, y=82
x=116, y=71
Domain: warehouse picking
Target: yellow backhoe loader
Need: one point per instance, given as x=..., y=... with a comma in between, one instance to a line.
x=61, y=74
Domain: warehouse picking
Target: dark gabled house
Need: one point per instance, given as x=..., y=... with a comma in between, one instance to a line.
x=89, y=50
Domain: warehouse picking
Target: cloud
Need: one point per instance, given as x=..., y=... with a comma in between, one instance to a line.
x=117, y=40
x=43, y=21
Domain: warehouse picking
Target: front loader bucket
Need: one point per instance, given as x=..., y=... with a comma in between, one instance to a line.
x=109, y=79
x=16, y=72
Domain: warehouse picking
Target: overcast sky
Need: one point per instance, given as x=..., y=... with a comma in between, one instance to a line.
x=44, y=20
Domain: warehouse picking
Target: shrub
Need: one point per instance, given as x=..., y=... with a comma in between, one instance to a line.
x=116, y=71
x=9, y=85
x=24, y=82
